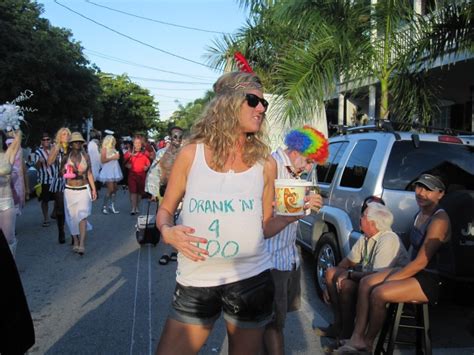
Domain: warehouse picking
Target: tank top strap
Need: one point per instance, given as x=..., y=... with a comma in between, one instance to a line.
x=199, y=157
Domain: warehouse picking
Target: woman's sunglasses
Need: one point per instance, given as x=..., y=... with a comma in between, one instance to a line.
x=253, y=100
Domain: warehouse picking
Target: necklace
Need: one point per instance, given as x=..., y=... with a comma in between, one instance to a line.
x=291, y=172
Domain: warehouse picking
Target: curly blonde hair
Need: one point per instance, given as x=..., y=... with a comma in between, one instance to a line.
x=219, y=122
x=109, y=142
x=57, y=138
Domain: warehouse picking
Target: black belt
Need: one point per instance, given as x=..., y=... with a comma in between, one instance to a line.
x=76, y=188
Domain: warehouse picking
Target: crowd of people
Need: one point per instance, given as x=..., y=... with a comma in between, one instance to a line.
x=235, y=255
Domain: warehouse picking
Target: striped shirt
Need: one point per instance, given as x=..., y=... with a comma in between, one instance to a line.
x=282, y=247
x=58, y=183
x=45, y=172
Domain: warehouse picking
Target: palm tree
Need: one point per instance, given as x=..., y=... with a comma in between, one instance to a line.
x=311, y=49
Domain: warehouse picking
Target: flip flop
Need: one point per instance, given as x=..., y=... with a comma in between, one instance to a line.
x=164, y=260
x=174, y=256
x=333, y=345
x=46, y=224
x=349, y=349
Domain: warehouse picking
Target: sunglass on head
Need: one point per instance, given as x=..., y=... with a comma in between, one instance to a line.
x=253, y=100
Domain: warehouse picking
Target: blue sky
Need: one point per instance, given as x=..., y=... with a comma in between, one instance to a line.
x=108, y=50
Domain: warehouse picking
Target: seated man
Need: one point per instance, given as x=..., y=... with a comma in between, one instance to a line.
x=379, y=248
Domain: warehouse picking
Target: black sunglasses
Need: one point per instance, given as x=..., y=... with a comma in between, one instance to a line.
x=45, y=139
x=253, y=100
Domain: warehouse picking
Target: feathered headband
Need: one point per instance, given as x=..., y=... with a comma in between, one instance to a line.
x=242, y=63
x=11, y=114
x=309, y=142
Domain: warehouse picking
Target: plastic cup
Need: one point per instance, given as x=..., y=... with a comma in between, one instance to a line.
x=290, y=196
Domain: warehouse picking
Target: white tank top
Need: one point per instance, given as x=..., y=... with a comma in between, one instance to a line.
x=226, y=209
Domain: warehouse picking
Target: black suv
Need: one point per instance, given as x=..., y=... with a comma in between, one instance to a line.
x=366, y=161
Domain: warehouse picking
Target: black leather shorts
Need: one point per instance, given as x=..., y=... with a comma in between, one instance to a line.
x=246, y=303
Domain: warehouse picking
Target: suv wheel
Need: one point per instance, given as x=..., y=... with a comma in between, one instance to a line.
x=326, y=255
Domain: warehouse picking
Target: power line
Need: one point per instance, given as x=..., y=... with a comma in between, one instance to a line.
x=119, y=60
x=132, y=38
x=157, y=21
x=170, y=89
x=174, y=97
x=160, y=80
x=168, y=81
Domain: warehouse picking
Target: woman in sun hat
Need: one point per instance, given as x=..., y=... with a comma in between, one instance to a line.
x=79, y=191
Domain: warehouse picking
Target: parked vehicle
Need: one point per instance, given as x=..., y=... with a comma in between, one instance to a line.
x=369, y=160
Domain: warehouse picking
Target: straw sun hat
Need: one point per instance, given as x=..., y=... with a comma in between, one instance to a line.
x=76, y=137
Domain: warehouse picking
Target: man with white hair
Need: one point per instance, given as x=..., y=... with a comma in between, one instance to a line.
x=379, y=248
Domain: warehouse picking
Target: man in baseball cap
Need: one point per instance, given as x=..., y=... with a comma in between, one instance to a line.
x=431, y=182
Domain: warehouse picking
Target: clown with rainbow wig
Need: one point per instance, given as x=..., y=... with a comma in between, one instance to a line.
x=304, y=147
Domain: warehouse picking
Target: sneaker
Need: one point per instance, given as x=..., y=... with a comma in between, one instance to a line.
x=104, y=210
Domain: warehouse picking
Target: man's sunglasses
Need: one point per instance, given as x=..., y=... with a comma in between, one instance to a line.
x=253, y=100
x=177, y=136
x=45, y=139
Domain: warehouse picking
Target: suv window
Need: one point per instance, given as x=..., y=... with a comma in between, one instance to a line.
x=326, y=172
x=406, y=163
x=356, y=168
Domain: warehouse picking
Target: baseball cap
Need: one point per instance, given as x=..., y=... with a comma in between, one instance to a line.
x=431, y=182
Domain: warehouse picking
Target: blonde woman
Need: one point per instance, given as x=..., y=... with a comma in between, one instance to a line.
x=55, y=161
x=225, y=177
x=110, y=174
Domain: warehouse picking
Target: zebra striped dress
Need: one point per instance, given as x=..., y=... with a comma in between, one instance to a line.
x=57, y=182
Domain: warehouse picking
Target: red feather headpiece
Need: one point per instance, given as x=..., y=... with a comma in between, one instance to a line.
x=242, y=63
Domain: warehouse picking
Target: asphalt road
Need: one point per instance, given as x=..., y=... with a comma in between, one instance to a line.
x=115, y=298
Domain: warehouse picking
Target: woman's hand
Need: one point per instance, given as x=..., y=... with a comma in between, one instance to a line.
x=181, y=238
x=94, y=195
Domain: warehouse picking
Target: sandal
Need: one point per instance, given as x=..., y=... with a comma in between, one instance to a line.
x=46, y=224
x=174, y=256
x=349, y=349
x=81, y=251
x=164, y=260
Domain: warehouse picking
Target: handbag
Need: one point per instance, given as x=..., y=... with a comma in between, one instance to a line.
x=146, y=230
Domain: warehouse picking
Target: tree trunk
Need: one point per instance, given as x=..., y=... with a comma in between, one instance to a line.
x=384, y=99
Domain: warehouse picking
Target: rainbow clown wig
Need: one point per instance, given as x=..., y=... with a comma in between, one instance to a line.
x=309, y=142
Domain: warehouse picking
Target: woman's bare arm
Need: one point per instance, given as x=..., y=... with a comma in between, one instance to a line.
x=14, y=147
x=438, y=232
x=180, y=237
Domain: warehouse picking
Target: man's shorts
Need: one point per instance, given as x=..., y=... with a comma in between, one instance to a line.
x=46, y=195
x=246, y=303
x=136, y=183
x=287, y=294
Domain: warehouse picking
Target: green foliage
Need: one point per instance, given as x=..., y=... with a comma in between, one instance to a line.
x=124, y=106
x=307, y=50
x=185, y=116
x=46, y=60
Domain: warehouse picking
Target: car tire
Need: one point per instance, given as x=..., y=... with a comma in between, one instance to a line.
x=326, y=255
